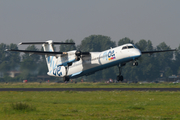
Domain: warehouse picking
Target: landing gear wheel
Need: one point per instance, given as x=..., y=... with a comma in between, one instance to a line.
x=120, y=78
x=66, y=79
x=135, y=63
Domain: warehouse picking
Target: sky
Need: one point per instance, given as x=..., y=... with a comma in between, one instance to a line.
x=59, y=20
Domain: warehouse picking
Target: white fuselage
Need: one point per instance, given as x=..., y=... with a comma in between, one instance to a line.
x=89, y=64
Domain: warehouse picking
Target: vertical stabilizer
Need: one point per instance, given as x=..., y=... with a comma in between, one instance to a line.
x=50, y=60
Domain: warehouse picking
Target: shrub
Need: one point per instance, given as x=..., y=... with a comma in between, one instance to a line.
x=22, y=107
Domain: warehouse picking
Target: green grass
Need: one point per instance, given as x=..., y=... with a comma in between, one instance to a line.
x=22, y=107
x=88, y=85
x=96, y=105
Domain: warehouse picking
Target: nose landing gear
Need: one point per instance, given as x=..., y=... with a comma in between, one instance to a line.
x=135, y=63
x=65, y=78
x=120, y=78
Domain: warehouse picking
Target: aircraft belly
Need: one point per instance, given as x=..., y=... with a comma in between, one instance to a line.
x=74, y=69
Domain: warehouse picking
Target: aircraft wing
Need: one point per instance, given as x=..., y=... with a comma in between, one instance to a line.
x=45, y=52
x=39, y=52
x=151, y=52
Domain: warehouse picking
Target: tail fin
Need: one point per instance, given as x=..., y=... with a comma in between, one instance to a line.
x=49, y=53
x=50, y=60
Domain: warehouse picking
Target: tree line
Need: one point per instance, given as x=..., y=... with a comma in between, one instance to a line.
x=151, y=67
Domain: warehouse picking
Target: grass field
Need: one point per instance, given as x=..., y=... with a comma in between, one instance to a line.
x=88, y=85
x=96, y=105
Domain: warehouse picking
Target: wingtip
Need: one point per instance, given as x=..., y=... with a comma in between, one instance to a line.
x=20, y=43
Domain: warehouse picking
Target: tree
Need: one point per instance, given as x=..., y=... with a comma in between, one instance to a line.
x=4, y=66
x=164, y=59
x=96, y=43
x=168, y=72
x=8, y=60
x=30, y=63
x=42, y=65
x=125, y=41
x=178, y=71
x=142, y=45
x=148, y=63
x=13, y=57
x=176, y=62
x=65, y=48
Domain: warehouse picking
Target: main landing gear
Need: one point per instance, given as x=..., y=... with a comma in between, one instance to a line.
x=120, y=77
x=65, y=78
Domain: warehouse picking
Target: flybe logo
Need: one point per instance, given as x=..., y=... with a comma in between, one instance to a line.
x=110, y=55
x=57, y=71
x=111, y=58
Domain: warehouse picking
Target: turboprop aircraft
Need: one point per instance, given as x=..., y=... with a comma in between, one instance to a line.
x=73, y=64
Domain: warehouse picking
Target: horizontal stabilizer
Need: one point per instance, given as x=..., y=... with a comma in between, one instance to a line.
x=151, y=52
x=27, y=43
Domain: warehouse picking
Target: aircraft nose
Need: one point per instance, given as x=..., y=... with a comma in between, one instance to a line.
x=137, y=53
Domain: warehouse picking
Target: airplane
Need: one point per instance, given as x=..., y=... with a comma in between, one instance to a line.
x=74, y=64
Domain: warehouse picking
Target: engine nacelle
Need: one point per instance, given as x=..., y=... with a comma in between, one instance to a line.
x=78, y=55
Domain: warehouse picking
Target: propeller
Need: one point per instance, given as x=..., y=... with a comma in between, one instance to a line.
x=78, y=54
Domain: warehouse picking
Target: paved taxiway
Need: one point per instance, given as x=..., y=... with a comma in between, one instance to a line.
x=89, y=89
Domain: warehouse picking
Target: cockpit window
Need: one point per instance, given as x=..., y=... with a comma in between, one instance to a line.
x=130, y=47
x=125, y=47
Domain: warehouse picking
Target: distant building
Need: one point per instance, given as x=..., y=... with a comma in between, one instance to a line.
x=13, y=73
x=172, y=78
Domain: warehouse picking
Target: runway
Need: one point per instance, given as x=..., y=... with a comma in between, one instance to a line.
x=89, y=89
